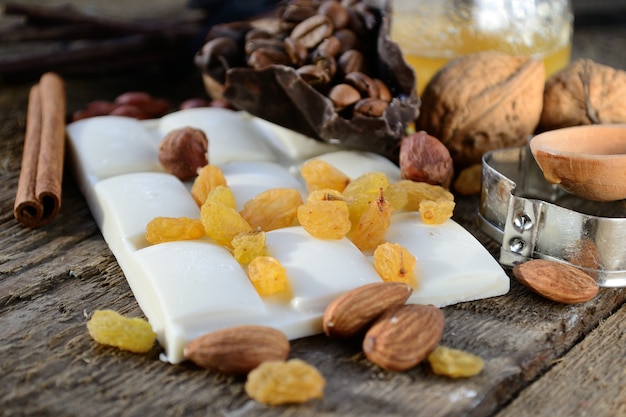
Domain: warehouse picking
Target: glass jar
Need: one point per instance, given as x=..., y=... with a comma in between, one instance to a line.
x=431, y=32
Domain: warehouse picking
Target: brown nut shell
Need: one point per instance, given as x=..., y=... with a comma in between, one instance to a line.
x=424, y=158
x=183, y=151
x=584, y=93
x=404, y=336
x=556, y=281
x=349, y=314
x=238, y=350
x=481, y=102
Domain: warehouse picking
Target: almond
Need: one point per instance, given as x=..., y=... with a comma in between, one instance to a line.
x=404, y=336
x=349, y=314
x=238, y=350
x=556, y=281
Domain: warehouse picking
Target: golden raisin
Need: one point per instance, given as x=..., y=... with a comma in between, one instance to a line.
x=454, y=363
x=170, y=229
x=373, y=224
x=222, y=194
x=272, y=209
x=222, y=223
x=362, y=191
x=325, y=219
x=397, y=196
x=325, y=194
x=285, y=382
x=319, y=174
x=469, y=180
x=419, y=191
x=370, y=182
x=267, y=275
x=394, y=263
x=111, y=328
x=247, y=246
x=209, y=177
x=436, y=212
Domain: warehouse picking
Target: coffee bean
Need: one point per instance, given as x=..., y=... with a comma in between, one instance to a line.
x=328, y=64
x=313, y=74
x=362, y=82
x=337, y=13
x=370, y=107
x=383, y=91
x=312, y=31
x=295, y=13
x=257, y=34
x=329, y=47
x=347, y=40
x=327, y=42
x=351, y=61
x=343, y=95
x=296, y=51
x=264, y=57
x=264, y=43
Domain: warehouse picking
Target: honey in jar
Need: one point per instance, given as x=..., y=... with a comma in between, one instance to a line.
x=432, y=32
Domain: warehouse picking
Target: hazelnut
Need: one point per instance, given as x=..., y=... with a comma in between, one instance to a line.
x=183, y=151
x=149, y=106
x=93, y=109
x=130, y=110
x=425, y=158
x=192, y=103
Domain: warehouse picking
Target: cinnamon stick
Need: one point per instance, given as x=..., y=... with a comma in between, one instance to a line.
x=38, y=197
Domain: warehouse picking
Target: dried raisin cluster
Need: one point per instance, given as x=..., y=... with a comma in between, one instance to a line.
x=336, y=207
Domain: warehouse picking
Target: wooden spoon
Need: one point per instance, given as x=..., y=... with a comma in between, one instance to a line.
x=587, y=161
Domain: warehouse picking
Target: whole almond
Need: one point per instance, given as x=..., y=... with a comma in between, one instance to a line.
x=349, y=314
x=238, y=350
x=556, y=281
x=404, y=336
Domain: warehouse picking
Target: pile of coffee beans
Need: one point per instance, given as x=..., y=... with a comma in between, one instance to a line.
x=331, y=44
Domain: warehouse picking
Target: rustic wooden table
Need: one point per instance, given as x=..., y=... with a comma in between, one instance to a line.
x=542, y=359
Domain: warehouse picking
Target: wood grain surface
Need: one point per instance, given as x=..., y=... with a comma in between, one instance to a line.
x=542, y=359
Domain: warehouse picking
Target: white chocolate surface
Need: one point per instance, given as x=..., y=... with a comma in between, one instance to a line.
x=189, y=288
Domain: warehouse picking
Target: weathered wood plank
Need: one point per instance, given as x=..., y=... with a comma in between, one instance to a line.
x=52, y=279
x=518, y=335
x=588, y=380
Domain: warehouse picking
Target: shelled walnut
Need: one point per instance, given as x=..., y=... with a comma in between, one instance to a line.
x=584, y=93
x=483, y=101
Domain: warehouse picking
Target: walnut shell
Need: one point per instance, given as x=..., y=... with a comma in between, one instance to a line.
x=584, y=93
x=483, y=101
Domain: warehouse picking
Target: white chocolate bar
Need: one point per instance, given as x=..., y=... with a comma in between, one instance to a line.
x=189, y=288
